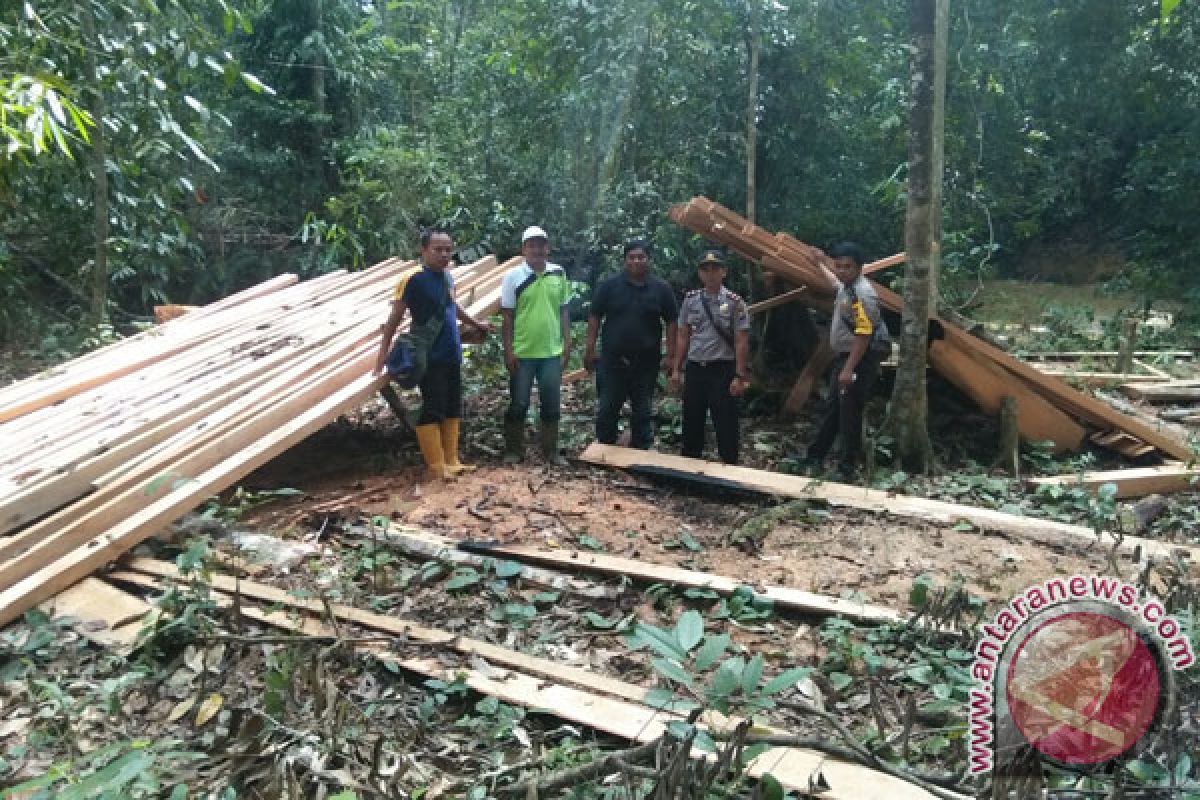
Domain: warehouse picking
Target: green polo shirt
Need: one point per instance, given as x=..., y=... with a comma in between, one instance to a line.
x=536, y=302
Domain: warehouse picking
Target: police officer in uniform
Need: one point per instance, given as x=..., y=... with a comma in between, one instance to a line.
x=714, y=338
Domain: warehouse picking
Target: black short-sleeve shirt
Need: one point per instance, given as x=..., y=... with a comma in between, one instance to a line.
x=633, y=318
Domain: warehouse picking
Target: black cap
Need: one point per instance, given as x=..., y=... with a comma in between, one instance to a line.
x=711, y=257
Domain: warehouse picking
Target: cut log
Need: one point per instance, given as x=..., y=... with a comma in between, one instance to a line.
x=1138, y=482
x=1138, y=517
x=837, y=494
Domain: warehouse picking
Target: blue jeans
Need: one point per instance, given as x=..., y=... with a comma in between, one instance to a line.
x=548, y=374
x=615, y=385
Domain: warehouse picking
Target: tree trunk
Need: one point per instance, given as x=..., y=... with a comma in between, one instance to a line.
x=752, y=45
x=98, y=109
x=908, y=412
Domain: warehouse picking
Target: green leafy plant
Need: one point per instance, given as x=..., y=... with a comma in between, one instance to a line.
x=137, y=769
x=743, y=607
x=693, y=662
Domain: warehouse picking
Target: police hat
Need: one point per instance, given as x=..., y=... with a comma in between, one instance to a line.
x=711, y=257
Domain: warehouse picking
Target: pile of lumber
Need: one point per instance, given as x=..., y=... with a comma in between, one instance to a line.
x=106, y=450
x=1048, y=408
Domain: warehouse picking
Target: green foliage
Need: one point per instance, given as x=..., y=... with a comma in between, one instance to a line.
x=693, y=661
x=332, y=131
x=138, y=769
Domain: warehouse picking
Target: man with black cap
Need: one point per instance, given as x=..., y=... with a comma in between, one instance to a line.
x=537, y=344
x=714, y=338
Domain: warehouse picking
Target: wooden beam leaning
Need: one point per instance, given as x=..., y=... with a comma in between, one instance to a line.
x=1138, y=482
x=546, y=685
x=1076, y=403
x=884, y=263
x=801, y=263
x=987, y=385
x=778, y=300
x=837, y=494
x=576, y=560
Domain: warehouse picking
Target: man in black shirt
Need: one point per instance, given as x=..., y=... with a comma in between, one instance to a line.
x=633, y=306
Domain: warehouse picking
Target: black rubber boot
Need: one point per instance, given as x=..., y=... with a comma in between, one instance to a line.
x=549, y=441
x=514, y=440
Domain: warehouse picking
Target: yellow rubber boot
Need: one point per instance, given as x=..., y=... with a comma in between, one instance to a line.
x=450, y=429
x=429, y=437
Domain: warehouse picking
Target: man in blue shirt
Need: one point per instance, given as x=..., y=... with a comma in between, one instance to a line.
x=426, y=293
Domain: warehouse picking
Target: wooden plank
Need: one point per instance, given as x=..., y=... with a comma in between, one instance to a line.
x=884, y=263
x=1075, y=355
x=1152, y=370
x=837, y=494
x=262, y=444
x=67, y=475
x=622, y=714
x=576, y=560
x=806, y=381
x=1101, y=378
x=987, y=385
x=1138, y=482
x=36, y=383
x=103, y=613
x=1077, y=404
x=778, y=300
x=189, y=454
x=1163, y=393
x=425, y=544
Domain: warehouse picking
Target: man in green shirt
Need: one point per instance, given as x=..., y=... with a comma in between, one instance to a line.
x=537, y=343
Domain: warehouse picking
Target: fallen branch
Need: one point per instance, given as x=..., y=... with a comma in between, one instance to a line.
x=573, y=776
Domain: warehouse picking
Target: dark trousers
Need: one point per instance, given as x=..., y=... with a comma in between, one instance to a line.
x=615, y=385
x=705, y=391
x=441, y=393
x=844, y=411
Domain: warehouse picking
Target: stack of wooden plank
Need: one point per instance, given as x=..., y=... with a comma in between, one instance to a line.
x=105, y=451
x=1048, y=408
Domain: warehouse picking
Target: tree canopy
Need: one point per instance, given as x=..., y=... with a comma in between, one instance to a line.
x=238, y=140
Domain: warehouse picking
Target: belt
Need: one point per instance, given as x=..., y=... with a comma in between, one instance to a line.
x=712, y=363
